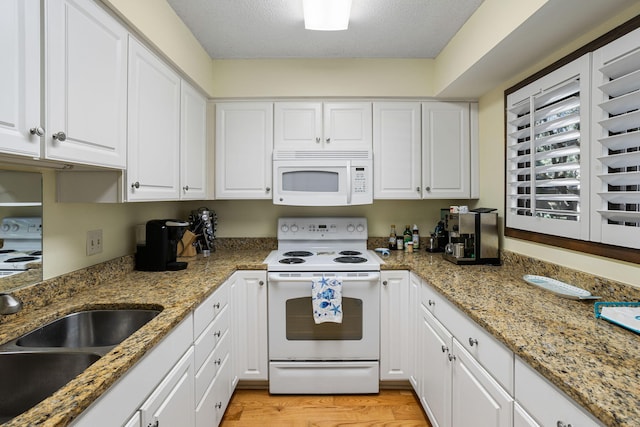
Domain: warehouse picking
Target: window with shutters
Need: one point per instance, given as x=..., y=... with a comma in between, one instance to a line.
x=572, y=155
x=616, y=141
x=548, y=153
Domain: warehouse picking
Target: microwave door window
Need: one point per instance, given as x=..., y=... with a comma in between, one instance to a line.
x=310, y=181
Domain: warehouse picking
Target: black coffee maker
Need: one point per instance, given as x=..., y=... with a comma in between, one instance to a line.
x=158, y=251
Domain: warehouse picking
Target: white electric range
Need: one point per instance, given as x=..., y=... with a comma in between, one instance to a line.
x=21, y=244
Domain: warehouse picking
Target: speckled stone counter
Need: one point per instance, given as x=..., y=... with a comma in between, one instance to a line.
x=594, y=362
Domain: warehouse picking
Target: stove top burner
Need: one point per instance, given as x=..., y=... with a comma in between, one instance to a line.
x=297, y=254
x=291, y=261
x=6, y=251
x=350, y=259
x=35, y=253
x=22, y=259
x=350, y=253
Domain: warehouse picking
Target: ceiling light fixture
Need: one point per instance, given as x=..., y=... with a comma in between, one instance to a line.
x=326, y=15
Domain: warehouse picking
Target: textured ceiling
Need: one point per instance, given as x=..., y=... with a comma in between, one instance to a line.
x=275, y=28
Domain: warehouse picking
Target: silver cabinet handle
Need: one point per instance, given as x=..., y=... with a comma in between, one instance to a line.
x=318, y=140
x=431, y=302
x=218, y=362
x=428, y=188
x=217, y=334
x=445, y=348
x=473, y=341
x=418, y=189
x=59, y=136
x=561, y=424
x=216, y=305
x=37, y=131
x=185, y=188
x=219, y=405
x=261, y=283
x=268, y=189
x=328, y=140
x=135, y=184
x=452, y=357
x=384, y=282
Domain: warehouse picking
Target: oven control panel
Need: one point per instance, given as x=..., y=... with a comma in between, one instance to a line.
x=338, y=228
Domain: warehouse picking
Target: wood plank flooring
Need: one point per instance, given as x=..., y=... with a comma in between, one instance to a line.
x=389, y=408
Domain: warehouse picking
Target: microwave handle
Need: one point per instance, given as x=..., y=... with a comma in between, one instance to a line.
x=348, y=182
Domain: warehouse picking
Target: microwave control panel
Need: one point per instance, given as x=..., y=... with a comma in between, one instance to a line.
x=360, y=181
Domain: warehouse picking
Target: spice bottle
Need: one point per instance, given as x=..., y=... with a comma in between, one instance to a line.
x=393, y=244
x=416, y=237
x=407, y=236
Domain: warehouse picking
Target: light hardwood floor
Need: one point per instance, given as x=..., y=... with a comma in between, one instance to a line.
x=390, y=408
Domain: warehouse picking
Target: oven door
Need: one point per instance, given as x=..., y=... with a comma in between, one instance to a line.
x=293, y=333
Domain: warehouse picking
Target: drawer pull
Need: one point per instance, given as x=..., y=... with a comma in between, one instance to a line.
x=445, y=348
x=561, y=424
x=452, y=357
x=261, y=283
x=473, y=341
x=385, y=283
x=216, y=305
x=217, y=334
x=431, y=302
x=219, y=405
x=218, y=362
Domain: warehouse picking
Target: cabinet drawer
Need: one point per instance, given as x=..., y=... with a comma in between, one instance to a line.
x=432, y=300
x=545, y=403
x=211, y=366
x=212, y=406
x=488, y=351
x=209, y=309
x=211, y=336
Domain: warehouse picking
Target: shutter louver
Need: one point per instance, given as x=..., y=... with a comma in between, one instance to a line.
x=620, y=140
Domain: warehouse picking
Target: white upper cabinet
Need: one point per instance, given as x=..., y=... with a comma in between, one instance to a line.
x=397, y=150
x=320, y=126
x=447, y=150
x=193, y=144
x=244, y=146
x=86, y=84
x=20, y=77
x=153, y=170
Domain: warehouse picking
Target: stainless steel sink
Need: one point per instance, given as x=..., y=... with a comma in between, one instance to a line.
x=30, y=377
x=95, y=328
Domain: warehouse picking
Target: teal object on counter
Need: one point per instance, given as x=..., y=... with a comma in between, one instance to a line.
x=624, y=314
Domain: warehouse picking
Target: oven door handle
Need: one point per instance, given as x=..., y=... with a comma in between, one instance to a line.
x=370, y=277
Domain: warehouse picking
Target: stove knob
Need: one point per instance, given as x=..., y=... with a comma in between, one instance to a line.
x=284, y=228
x=350, y=228
x=5, y=227
x=360, y=228
x=14, y=227
x=294, y=228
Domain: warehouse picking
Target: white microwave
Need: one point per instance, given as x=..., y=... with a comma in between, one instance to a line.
x=319, y=178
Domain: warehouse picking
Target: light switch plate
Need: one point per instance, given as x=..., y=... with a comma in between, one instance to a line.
x=94, y=242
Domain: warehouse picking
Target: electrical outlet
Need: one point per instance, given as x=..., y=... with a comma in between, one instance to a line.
x=94, y=242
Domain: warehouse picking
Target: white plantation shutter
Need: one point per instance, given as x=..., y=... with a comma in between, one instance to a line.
x=616, y=130
x=547, y=153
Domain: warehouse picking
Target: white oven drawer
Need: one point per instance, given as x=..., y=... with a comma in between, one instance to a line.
x=323, y=378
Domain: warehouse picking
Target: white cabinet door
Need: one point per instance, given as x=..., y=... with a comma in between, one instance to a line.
x=414, y=321
x=153, y=128
x=193, y=144
x=20, y=77
x=397, y=150
x=297, y=125
x=244, y=145
x=320, y=126
x=435, y=380
x=86, y=81
x=347, y=125
x=478, y=400
x=250, y=333
x=173, y=401
x=446, y=150
x=394, y=325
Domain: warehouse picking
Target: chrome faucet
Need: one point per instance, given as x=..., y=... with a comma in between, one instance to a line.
x=9, y=304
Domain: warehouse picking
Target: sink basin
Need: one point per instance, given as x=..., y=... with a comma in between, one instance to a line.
x=28, y=377
x=95, y=328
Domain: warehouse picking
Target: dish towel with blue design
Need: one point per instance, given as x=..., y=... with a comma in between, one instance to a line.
x=326, y=297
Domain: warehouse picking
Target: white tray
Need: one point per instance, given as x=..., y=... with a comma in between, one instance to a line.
x=559, y=288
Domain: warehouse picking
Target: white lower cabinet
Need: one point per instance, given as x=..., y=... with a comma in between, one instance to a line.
x=544, y=404
x=394, y=325
x=249, y=296
x=172, y=402
x=414, y=350
x=454, y=387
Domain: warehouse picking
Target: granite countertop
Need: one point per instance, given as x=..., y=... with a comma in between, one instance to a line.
x=593, y=361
